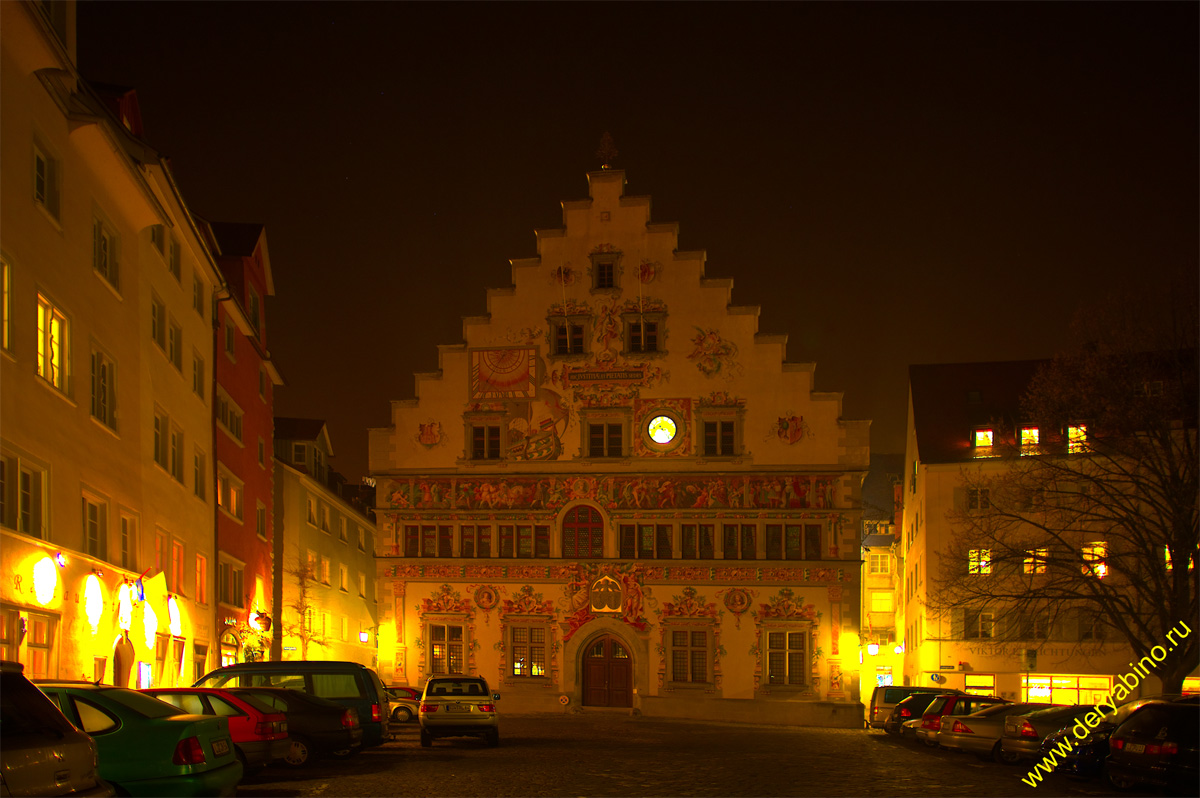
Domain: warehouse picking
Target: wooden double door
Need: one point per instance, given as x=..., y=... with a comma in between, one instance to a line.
x=607, y=674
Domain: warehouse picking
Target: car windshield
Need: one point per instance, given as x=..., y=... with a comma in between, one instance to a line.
x=140, y=702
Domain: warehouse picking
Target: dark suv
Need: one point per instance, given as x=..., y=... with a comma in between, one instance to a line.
x=951, y=704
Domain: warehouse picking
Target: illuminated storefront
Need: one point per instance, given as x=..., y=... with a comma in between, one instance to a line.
x=1065, y=688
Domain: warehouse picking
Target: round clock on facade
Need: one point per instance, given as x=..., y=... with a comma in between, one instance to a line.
x=662, y=429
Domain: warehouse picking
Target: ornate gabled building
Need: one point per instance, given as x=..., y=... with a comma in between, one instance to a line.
x=618, y=493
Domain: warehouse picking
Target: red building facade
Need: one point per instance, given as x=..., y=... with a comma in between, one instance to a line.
x=243, y=420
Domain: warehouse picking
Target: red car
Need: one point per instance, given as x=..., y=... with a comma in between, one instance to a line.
x=259, y=732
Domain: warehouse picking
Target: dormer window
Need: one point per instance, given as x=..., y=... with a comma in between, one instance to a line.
x=299, y=453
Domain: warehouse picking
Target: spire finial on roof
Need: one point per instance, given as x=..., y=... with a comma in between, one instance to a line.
x=607, y=151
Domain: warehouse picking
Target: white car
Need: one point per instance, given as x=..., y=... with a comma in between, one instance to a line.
x=459, y=706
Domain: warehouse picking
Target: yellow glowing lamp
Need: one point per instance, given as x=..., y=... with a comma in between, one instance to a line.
x=873, y=649
x=125, y=606
x=93, y=600
x=45, y=580
x=364, y=637
x=173, y=616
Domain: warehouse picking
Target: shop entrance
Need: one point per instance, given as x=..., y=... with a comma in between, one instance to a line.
x=607, y=674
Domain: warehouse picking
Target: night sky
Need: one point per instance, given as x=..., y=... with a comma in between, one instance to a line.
x=892, y=184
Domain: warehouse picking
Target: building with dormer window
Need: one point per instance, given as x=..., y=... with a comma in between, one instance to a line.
x=617, y=492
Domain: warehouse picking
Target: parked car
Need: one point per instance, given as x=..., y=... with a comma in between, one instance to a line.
x=912, y=707
x=41, y=753
x=146, y=747
x=406, y=702
x=950, y=705
x=1157, y=744
x=259, y=732
x=980, y=732
x=1087, y=756
x=316, y=727
x=459, y=706
x=1023, y=734
x=347, y=683
x=885, y=698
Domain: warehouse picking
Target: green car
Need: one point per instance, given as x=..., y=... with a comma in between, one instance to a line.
x=145, y=746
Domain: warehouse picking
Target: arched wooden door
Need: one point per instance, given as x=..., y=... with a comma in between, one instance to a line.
x=607, y=674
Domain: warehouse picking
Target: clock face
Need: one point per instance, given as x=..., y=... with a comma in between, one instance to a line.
x=662, y=429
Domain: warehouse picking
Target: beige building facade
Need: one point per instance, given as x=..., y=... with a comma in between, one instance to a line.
x=619, y=493
x=106, y=499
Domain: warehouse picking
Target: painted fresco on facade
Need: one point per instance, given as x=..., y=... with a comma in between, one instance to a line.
x=503, y=373
x=429, y=434
x=786, y=491
x=790, y=429
x=713, y=355
x=609, y=589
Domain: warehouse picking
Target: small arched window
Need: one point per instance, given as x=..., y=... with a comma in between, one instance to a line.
x=583, y=533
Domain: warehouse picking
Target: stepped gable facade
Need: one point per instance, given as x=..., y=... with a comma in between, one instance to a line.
x=618, y=493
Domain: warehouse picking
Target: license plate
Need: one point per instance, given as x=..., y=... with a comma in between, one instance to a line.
x=1136, y=748
x=221, y=747
x=457, y=708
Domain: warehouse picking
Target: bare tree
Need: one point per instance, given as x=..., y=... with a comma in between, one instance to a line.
x=1091, y=536
x=300, y=623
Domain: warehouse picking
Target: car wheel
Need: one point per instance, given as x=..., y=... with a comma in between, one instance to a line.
x=402, y=715
x=426, y=740
x=493, y=738
x=300, y=754
x=1007, y=757
x=991, y=756
x=1120, y=781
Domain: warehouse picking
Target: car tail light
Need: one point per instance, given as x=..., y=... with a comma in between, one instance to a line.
x=487, y=707
x=1027, y=730
x=961, y=728
x=934, y=722
x=375, y=713
x=189, y=752
x=1118, y=743
x=429, y=707
x=348, y=719
x=1162, y=748
x=905, y=713
x=874, y=713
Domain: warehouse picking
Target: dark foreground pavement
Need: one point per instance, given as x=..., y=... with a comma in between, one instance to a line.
x=608, y=754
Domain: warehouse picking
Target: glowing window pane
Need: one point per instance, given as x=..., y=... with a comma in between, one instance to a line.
x=983, y=437
x=980, y=561
x=662, y=429
x=1094, y=554
x=1077, y=436
x=1029, y=436
x=1035, y=561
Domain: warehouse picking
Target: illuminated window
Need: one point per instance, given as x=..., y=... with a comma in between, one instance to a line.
x=229, y=494
x=980, y=561
x=324, y=570
x=6, y=304
x=1030, y=437
x=689, y=655
x=53, y=345
x=1094, y=555
x=201, y=579
x=528, y=650
x=881, y=601
x=446, y=646
x=1077, y=438
x=983, y=438
x=1170, y=565
x=879, y=563
x=175, y=585
x=979, y=683
x=1035, y=561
